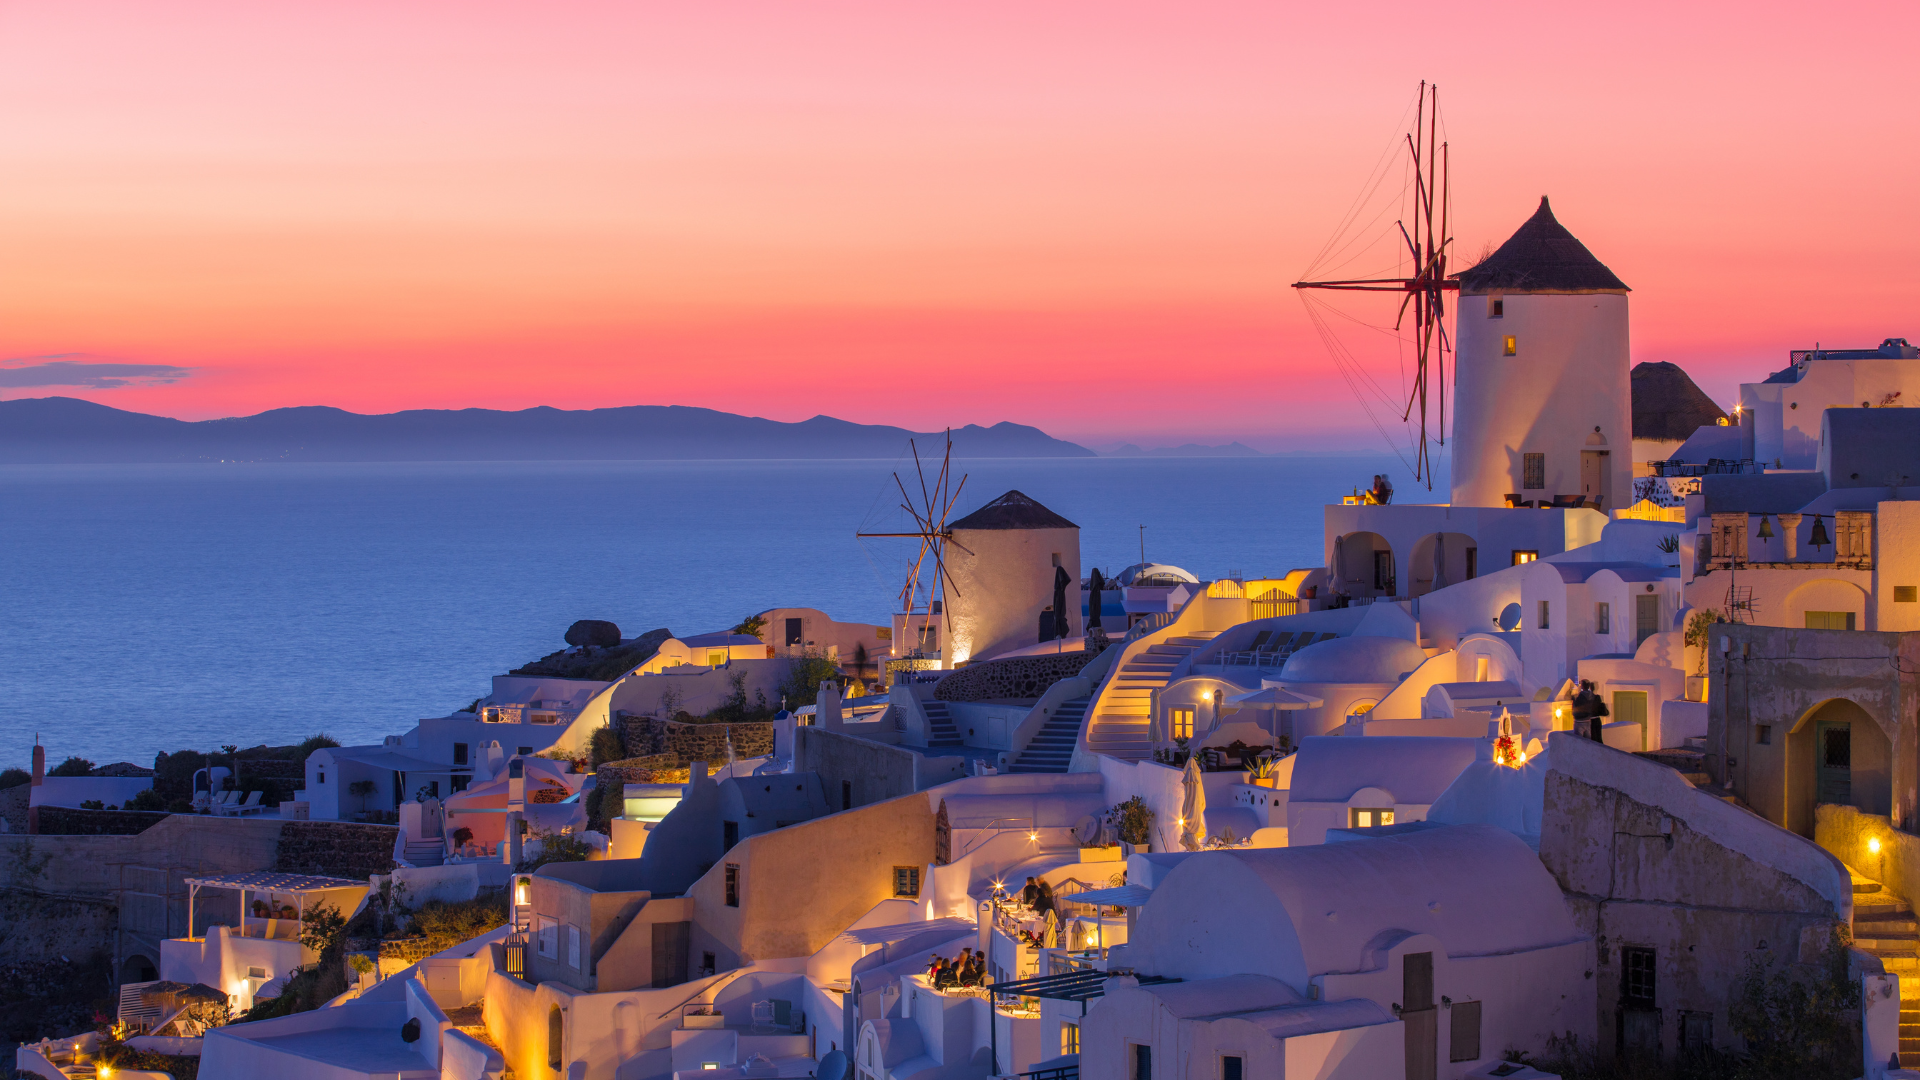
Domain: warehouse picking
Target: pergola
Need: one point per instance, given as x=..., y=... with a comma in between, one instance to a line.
x=299, y=886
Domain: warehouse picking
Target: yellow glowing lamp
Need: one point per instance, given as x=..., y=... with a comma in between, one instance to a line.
x=520, y=892
x=1033, y=835
x=1873, y=845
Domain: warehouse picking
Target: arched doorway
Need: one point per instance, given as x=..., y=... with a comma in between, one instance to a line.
x=556, y=1038
x=1440, y=560
x=1363, y=565
x=138, y=969
x=1837, y=754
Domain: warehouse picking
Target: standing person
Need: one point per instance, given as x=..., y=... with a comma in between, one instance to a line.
x=1588, y=711
x=1045, y=903
x=1031, y=894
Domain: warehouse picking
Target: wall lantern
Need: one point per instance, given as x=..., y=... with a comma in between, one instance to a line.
x=1873, y=846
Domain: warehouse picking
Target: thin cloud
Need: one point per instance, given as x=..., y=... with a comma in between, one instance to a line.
x=60, y=371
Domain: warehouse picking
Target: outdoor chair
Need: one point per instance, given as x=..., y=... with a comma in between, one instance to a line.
x=221, y=801
x=253, y=805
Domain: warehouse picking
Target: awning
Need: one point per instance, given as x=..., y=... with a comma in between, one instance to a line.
x=1119, y=896
x=1274, y=697
x=887, y=935
x=269, y=881
x=1078, y=986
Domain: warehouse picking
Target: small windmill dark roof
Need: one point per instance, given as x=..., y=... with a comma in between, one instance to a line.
x=1541, y=257
x=1013, y=511
x=1667, y=405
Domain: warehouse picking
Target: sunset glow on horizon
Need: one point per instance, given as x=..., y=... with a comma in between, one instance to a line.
x=1083, y=217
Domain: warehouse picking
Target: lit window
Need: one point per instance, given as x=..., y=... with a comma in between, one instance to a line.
x=1603, y=618
x=1368, y=817
x=1069, y=1038
x=1496, y=308
x=1533, y=474
x=1180, y=722
x=1520, y=556
x=1512, y=348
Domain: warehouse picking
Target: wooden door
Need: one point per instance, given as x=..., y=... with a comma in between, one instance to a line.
x=1646, y=618
x=1420, y=1019
x=670, y=941
x=1631, y=706
x=1833, y=761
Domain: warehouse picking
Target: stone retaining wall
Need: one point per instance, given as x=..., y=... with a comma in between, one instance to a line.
x=347, y=849
x=1022, y=677
x=654, y=769
x=647, y=736
x=67, y=821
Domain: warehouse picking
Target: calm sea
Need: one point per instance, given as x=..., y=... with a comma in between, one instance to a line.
x=148, y=608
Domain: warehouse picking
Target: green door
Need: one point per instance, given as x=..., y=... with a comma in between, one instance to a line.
x=1833, y=763
x=1630, y=706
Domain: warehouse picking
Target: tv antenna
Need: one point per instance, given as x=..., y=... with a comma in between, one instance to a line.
x=1424, y=287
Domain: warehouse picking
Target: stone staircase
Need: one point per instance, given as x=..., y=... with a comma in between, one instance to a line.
x=1122, y=723
x=425, y=852
x=1884, y=926
x=941, y=730
x=1051, y=749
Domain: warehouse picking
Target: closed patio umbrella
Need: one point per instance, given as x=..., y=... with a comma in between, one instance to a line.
x=1193, y=807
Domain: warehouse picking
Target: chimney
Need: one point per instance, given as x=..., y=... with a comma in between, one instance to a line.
x=39, y=778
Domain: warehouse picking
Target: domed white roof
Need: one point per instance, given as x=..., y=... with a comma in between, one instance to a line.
x=1354, y=660
x=1154, y=574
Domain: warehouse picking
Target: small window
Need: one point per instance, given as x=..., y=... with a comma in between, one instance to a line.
x=1232, y=1067
x=256, y=973
x=1545, y=622
x=1603, y=618
x=1763, y=734
x=1069, y=1038
x=846, y=794
x=906, y=881
x=729, y=835
x=526, y=750
x=1522, y=557
x=1636, y=986
x=459, y=753
x=1142, y=1062
x=1533, y=475
x=1906, y=594
x=1465, y=1042
x=733, y=885
x=1497, y=308
x=323, y=777
x=707, y=967
x=1510, y=347
x=1830, y=620
x=1369, y=817
x=1180, y=723
x=1473, y=563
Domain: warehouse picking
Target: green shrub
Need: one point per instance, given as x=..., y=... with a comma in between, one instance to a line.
x=556, y=847
x=311, y=743
x=73, y=766
x=12, y=778
x=606, y=745
x=1134, y=821
x=445, y=924
x=148, y=800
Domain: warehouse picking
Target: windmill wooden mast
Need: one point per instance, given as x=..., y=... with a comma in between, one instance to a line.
x=1425, y=289
x=930, y=522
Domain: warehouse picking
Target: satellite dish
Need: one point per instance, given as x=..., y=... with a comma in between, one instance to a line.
x=833, y=1066
x=1086, y=830
x=1509, y=617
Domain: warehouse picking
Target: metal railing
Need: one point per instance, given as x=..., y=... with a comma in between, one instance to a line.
x=1713, y=466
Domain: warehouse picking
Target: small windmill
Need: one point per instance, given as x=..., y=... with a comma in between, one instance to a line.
x=929, y=515
x=1425, y=284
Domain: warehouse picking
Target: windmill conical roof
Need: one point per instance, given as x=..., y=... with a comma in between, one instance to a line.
x=1667, y=405
x=1013, y=511
x=1542, y=256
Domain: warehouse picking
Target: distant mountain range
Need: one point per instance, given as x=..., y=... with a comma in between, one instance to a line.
x=1232, y=449
x=57, y=430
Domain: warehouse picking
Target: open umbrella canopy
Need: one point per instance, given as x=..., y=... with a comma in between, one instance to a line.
x=1273, y=697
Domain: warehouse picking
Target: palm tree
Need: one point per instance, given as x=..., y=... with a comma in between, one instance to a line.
x=751, y=626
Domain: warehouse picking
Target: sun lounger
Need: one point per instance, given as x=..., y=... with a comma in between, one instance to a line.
x=253, y=805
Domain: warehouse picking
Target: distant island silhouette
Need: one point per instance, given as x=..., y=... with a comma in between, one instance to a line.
x=62, y=430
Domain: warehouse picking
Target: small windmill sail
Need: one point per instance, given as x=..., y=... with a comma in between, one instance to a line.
x=1423, y=284
x=930, y=514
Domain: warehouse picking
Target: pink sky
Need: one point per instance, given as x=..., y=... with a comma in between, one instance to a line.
x=1082, y=216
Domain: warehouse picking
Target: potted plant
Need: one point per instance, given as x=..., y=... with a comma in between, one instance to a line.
x=1134, y=822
